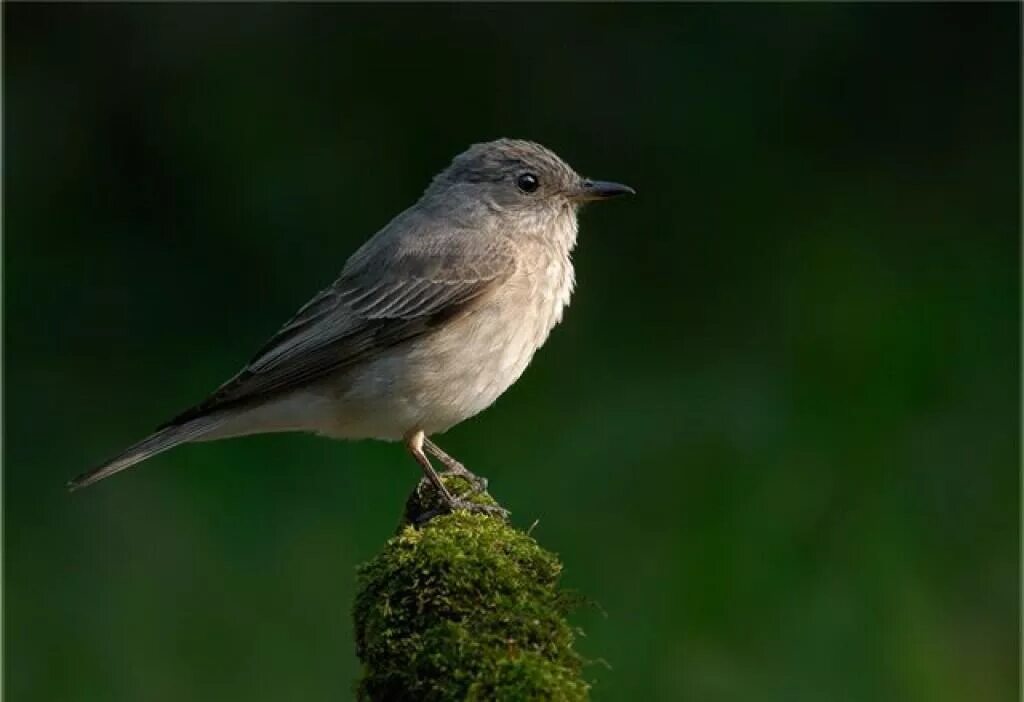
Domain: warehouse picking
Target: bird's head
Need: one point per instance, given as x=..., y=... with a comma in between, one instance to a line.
x=519, y=179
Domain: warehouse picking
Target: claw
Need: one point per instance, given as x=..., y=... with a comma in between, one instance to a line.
x=456, y=489
x=461, y=504
x=477, y=484
x=476, y=508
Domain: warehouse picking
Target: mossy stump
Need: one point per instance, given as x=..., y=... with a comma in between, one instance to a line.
x=464, y=607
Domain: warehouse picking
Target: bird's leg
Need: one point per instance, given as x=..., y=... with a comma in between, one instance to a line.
x=454, y=467
x=414, y=442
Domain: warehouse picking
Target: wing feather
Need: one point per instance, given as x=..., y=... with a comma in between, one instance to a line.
x=395, y=288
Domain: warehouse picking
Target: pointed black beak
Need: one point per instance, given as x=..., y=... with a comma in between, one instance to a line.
x=600, y=190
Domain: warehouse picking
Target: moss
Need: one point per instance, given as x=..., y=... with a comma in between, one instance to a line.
x=465, y=608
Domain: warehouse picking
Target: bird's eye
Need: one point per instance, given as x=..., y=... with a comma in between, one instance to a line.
x=528, y=182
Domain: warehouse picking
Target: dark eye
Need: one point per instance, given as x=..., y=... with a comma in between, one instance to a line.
x=528, y=182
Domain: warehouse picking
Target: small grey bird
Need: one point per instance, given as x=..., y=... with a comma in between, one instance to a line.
x=429, y=322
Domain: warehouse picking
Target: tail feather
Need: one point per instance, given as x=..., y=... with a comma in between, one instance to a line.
x=158, y=442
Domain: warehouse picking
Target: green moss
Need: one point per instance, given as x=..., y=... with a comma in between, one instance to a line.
x=466, y=608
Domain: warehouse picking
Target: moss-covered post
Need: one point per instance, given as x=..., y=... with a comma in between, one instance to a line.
x=464, y=607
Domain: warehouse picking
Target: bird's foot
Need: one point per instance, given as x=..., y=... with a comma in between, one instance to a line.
x=465, y=493
x=492, y=510
x=477, y=484
x=460, y=504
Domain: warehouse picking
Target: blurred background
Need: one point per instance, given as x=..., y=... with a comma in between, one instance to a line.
x=776, y=438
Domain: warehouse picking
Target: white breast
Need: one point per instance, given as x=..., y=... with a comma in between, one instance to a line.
x=442, y=379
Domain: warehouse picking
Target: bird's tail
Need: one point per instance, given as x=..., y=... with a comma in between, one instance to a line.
x=158, y=442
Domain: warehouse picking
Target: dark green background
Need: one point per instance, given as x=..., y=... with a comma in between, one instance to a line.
x=775, y=438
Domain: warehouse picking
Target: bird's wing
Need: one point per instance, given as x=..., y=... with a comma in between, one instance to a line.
x=392, y=290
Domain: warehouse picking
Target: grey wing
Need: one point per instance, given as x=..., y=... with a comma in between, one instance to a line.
x=387, y=294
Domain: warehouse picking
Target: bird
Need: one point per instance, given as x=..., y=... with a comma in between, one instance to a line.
x=428, y=323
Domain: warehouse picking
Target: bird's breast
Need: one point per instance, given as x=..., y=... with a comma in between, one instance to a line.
x=489, y=349
x=461, y=368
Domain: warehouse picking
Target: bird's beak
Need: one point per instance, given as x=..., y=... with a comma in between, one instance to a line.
x=599, y=190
